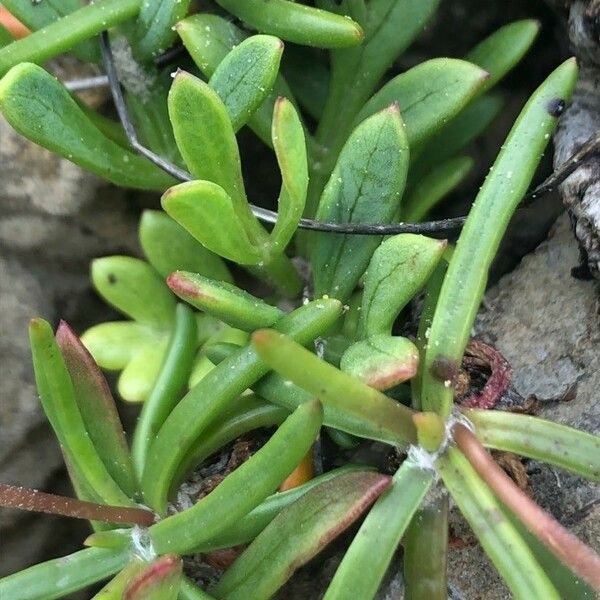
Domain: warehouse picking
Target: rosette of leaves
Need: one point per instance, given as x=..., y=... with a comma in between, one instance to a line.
x=372, y=157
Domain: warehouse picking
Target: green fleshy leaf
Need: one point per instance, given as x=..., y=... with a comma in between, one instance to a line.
x=428, y=95
x=154, y=27
x=249, y=526
x=166, y=390
x=245, y=414
x=400, y=267
x=160, y=580
x=390, y=421
x=246, y=75
x=60, y=125
x=169, y=247
x=426, y=550
x=114, y=344
x=61, y=577
x=57, y=396
x=365, y=187
x=297, y=534
x=214, y=393
x=210, y=152
x=243, y=489
x=296, y=22
x=139, y=376
x=98, y=410
x=115, y=588
x=500, y=540
x=565, y=447
x=503, y=189
x=502, y=50
x=364, y=565
x=209, y=38
x=381, y=361
x=133, y=287
x=290, y=149
x=434, y=187
x=208, y=213
x=225, y=301
x=39, y=15
x=5, y=36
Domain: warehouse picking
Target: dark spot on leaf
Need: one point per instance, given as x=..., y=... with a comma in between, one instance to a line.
x=555, y=107
x=112, y=278
x=444, y=369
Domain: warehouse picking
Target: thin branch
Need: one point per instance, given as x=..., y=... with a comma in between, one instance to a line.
x=13, y=496
x=562, y=543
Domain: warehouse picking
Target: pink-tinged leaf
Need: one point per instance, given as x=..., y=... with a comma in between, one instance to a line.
x=298, y=533
x=161, y=580
x=381, y=361
x=97, y=409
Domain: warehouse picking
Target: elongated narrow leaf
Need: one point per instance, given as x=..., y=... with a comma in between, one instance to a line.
x=214, y=393
x=169, y=247
x=434, y=187
x=565, y=447
x=249, y=526
x=114, y=344
x=344, y=415
x=98, y=410
x=501, y=541
x=502, y=50
x=115, y=588
x=381, y=361
x=37, y=16
x=465, y=281
x=153, y=32
x=426, y=550
x=365, y=187
x=225, y=301
x=335, y=388
x=428, y=95
x=208, y=213
x=296, y=22
x=245, y=77
x=171, y=379
x=160, y=580
x=62, y=577
x=58, y=399
x=364, y=565
x=190, y=591
x=132, y=287
x=41, y=109
x=400, y=267
x=297, y=534
x=64, y=34
x=245, y=414
x=564, y=580
x=290, y=149
x=243, y=489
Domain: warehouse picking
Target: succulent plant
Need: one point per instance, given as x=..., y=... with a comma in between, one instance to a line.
x=210, y=361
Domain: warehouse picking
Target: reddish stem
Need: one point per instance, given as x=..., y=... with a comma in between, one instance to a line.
x=562, y=543
x=13, y=496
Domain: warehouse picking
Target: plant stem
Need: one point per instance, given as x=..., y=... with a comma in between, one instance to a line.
x=14, y=496
x=573, y=553
x=67, y=32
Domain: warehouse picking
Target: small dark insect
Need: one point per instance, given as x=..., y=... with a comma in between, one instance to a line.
x=112, y=278
x=556, y=107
